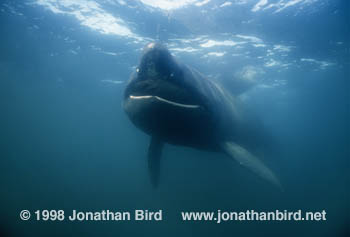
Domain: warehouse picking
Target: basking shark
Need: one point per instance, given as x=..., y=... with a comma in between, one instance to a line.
x=175, y=104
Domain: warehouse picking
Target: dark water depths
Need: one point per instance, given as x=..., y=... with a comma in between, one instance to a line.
x=67, y=144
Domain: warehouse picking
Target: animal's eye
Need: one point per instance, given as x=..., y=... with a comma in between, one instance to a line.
x=137, y=69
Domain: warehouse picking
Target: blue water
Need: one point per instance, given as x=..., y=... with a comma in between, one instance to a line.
x=67, y=144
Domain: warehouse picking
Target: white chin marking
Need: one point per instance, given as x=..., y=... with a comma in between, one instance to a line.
x=143, y=97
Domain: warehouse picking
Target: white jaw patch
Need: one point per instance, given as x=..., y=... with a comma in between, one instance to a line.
x=145, y=97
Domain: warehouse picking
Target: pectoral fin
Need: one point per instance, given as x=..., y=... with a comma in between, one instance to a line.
x=248, y=160
x=154, y=154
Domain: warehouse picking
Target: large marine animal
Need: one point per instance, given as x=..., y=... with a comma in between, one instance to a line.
x=176, y=104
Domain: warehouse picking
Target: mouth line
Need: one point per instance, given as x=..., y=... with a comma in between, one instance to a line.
x=145, y=97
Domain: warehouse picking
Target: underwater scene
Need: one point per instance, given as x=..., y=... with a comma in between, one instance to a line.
x=175, y=118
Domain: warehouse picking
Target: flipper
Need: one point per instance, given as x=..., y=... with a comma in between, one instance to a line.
x=154, y=154
x=248, y=160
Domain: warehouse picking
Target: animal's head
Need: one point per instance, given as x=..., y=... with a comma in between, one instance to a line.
x=161, y=94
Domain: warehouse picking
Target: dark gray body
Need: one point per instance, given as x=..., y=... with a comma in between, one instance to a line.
x=176, y=104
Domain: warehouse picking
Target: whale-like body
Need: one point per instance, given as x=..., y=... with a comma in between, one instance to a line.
x=177, y=105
